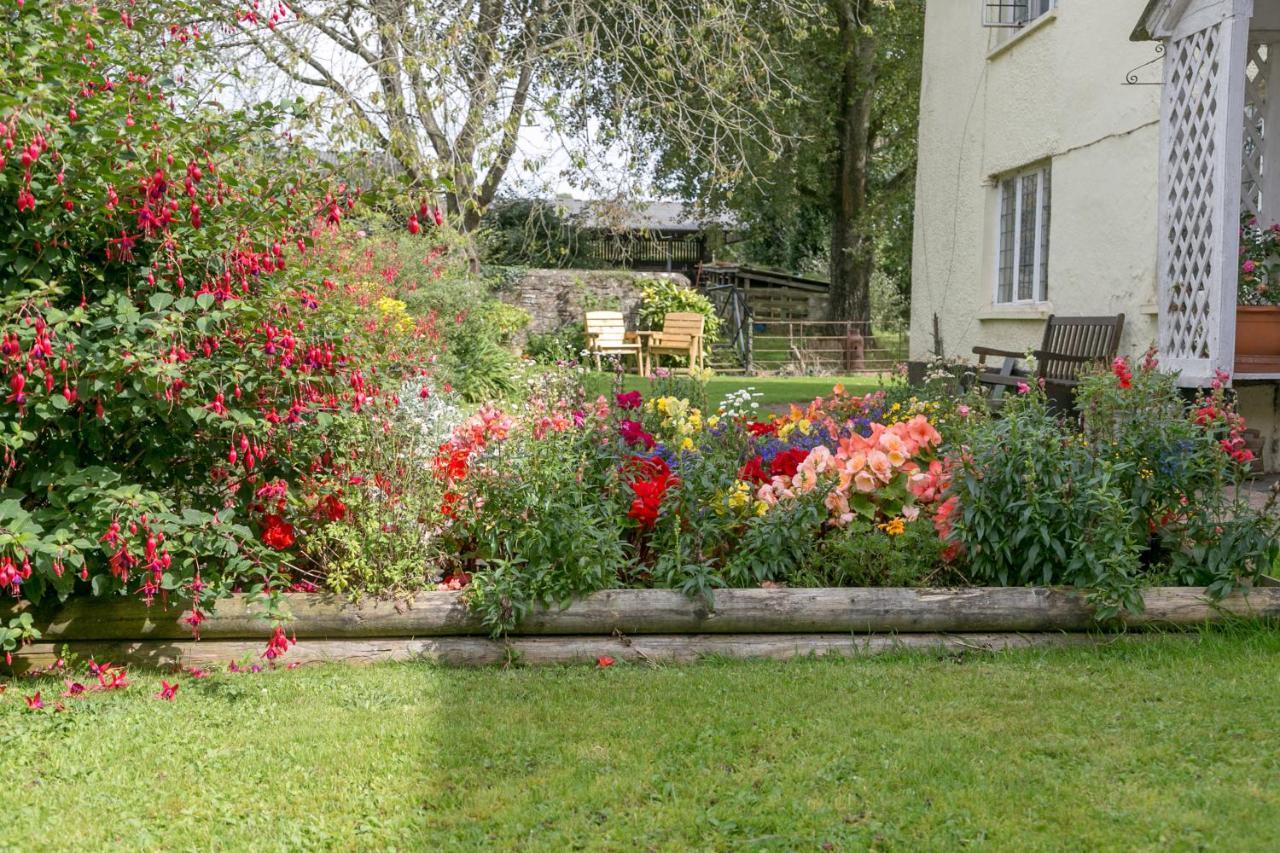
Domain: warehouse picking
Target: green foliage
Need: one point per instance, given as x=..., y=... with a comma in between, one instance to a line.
x=559, y=536
x=478, y=366
x=1142, y=496
x=863, y=554
x=561, y=345
x=663, y=296
x=529, y=233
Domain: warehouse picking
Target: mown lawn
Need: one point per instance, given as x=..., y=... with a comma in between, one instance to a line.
x=1170, y=744
x=774, y=390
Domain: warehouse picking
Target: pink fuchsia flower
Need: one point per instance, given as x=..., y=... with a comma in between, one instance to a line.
x=962, y=410
x=34, y=703
x=167, y=690
x=278, y=645
x=629, y=400
x=1024, y=388
x=1249, y=267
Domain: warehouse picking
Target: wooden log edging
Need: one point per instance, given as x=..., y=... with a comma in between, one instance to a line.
x=645, y=612
x=538, y=651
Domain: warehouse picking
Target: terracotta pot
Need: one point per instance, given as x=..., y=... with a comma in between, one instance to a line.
x=1258, y=330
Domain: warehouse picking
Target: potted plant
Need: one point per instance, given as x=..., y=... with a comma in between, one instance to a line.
x=1258, y=302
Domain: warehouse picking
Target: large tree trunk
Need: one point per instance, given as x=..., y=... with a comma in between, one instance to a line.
x=852, y=256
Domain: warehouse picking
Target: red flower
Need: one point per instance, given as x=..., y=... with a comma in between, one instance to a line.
x=332, y=508
x=650, y=490
x=456, y=581
x=167, y=690
x=754, y=470
x=35, y=703
x=758, y=429
x=603, y=661
x=632, y=432
x=786, y=463
x=276, y=532
x=629, y=400
x=1120, y=367
x=278, y=645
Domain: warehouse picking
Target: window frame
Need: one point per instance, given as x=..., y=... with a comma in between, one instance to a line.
x=1027, y=8
x=1042, y=173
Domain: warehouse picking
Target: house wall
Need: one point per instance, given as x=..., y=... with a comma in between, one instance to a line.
x=994, y=101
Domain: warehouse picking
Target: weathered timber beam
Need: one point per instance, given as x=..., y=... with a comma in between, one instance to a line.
x=640, y=611
x=481, y=651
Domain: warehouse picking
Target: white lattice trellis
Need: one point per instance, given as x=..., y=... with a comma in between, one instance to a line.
x=1202, y=137
x=1257, y=78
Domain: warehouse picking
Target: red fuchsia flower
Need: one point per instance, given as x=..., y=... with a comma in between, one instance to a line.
x=167, y=690
x=629, y=400
x=604, y=661
x=276, y=532
x=414, y=227
x=633, y=432
x=197, y=672
x=34, y=703
x=74, y=688
x=1120, y=367
x=278, y=645
x=331, y=508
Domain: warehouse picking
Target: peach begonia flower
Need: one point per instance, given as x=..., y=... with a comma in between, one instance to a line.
x=922, y=432
x=838, y=503
x=878, y=462
x=864, y=481
x=895, y=449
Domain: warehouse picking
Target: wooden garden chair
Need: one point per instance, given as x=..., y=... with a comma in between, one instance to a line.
x=681, y=334
x=607, y=335
x=1070, y=346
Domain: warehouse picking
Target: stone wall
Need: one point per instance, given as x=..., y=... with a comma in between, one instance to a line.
x=554, y=298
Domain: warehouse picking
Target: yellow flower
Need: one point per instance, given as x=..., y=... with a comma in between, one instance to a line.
x=761, y=507
x=687, y=444
x=804, y=426
x=713, y=421
x=894, y=527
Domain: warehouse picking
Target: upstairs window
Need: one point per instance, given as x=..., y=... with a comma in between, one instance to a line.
x=1014, y=13
x=1022, y=250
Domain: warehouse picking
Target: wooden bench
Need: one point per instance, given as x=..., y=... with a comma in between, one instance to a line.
x=607, y=335
x=1070, y=345
x=681, y=334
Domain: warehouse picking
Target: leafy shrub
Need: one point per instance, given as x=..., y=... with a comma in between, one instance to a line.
x=562, y=345
x=478, y=366
x=662, y=296
x=867, y=554
x=1141, y=496
x=183, y=321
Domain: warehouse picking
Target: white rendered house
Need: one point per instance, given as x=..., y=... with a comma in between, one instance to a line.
x=1089, y=157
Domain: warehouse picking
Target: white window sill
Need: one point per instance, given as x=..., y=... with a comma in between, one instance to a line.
x=1037, y=311
x=1034, y=27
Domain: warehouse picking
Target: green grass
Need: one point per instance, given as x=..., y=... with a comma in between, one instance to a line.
x=1169, y=744
x=774, y=390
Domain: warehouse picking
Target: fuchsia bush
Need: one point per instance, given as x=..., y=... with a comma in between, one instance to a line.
x=182, y=322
